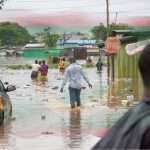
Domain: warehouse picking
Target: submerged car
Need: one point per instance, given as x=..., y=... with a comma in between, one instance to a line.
x=5, y=103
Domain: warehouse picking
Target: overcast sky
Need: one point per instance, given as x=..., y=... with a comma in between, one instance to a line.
x=73, y=12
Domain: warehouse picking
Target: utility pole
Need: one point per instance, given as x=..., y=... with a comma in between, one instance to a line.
x=107, y=19
x=107, y=11
x=116, y=17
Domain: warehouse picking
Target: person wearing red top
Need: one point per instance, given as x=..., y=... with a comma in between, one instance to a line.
x=43, y=71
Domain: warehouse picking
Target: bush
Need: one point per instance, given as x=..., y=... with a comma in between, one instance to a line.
x=53, y=66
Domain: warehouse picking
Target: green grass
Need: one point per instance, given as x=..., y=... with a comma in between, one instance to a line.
x=17, y=67
x=27, y=66
x=50, y=66
x=53, y=66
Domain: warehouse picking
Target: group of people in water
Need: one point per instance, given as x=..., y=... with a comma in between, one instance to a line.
x=39, y=70
x=132, y=131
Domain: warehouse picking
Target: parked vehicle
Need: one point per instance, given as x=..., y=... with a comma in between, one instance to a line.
x=5, y=103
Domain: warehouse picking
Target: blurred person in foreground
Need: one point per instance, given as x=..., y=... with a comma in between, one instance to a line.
x=132, y=131
x=74, y=75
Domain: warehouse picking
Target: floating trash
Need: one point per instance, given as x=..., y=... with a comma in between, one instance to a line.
x=47, y=132
x=55, y=88
x=45, y=100
x=94, y=100
x=58, y=79
x=13, y=118
x=90, y=96
x=43, y=117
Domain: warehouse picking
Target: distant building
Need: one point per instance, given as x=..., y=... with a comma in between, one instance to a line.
x=32, y=46
x=70, y=43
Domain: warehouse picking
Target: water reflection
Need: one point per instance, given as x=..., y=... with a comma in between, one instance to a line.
x=3, y=138
x=75, y=132
x=64, y=129
x=122, y=89
x=6, y=140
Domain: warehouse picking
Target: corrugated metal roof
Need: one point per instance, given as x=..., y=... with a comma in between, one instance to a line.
x=34, y=45
x=80, y=42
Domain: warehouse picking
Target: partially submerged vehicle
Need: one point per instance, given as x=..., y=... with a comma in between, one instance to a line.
x=5, y=103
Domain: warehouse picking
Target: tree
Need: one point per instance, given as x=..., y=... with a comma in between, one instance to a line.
x=120, y=26
x=99, y=32
x=2, y=3
x=12, y=34
x=50, y=39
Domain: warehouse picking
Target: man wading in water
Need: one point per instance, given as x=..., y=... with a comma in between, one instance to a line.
x=74, y=74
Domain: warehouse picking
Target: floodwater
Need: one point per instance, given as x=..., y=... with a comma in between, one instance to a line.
x=42, y=119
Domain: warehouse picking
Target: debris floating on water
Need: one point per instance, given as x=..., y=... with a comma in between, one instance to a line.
x=55, y=88
x=47, y=132
x=45, y=100
x=13, y=118
x=43, y=117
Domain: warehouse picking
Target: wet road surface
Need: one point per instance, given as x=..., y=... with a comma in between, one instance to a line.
x=42, y=119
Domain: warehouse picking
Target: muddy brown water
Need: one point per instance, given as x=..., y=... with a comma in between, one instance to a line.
x=42, y=119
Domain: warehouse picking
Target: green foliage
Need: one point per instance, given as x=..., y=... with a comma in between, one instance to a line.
x=100, y=32
x=49, y=39
x=12, y=34
x=53, y=66
x=17, y=67
x=120, y=26
x=2, y=3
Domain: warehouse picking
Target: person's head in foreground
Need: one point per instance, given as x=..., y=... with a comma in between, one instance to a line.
x=132, y=131
x=144, y=67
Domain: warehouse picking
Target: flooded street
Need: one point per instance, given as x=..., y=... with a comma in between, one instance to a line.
x=42, y=119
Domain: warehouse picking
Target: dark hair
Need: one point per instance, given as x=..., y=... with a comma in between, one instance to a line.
x=43, y=61
x=72, y=59
x=40, y=62
x=63, y=59
x=36, y=62
x=144, y=66
x=113, y=33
